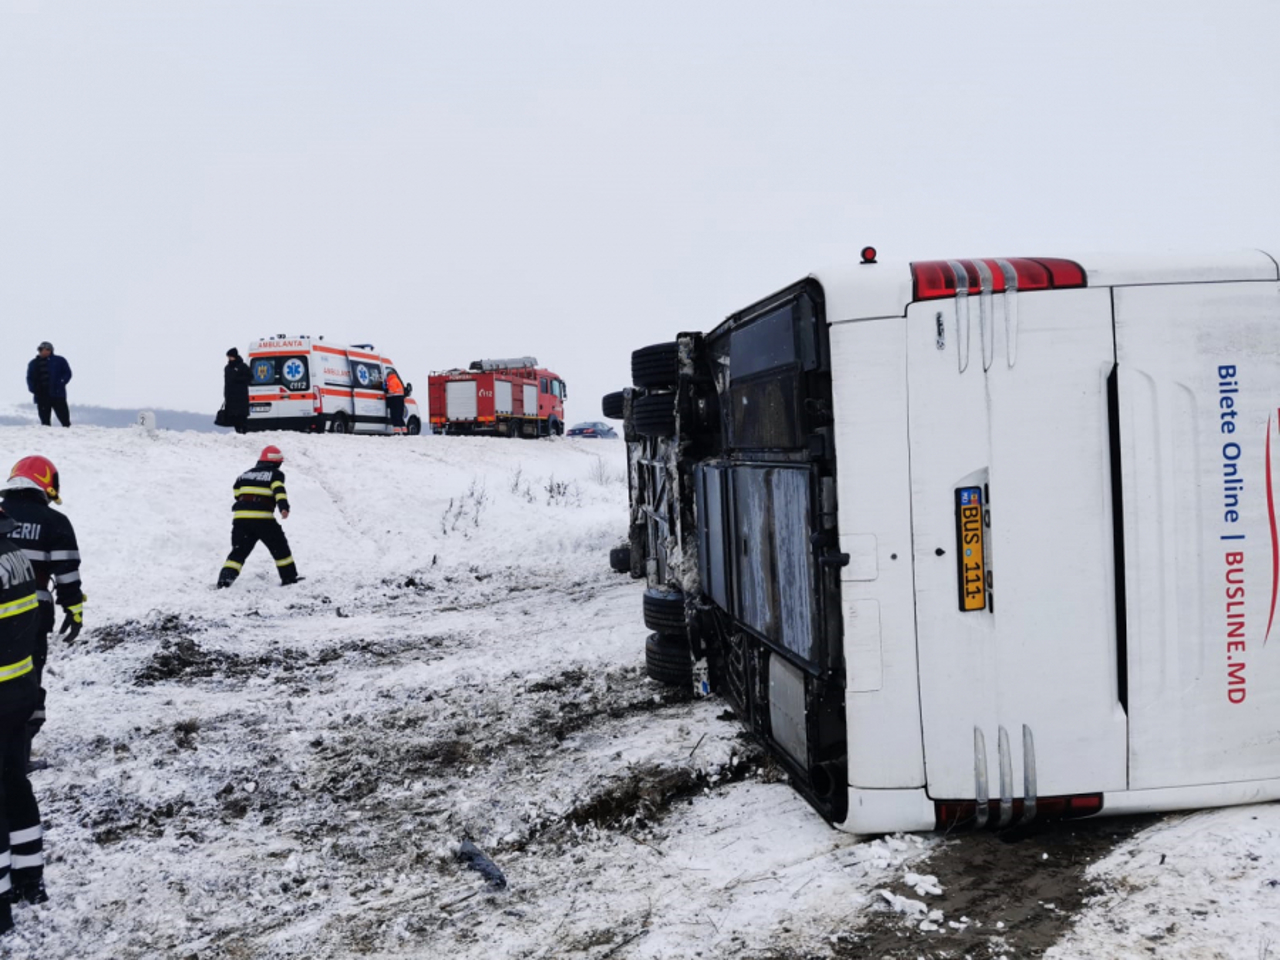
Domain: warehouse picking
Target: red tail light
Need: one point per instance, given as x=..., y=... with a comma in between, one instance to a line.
x=936, y=279
x=962, y=813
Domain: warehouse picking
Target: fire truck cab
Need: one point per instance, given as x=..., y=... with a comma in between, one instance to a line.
x=506, y=398
x=301, y=383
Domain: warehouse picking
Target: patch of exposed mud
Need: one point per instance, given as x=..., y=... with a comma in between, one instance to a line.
x=1012, y=895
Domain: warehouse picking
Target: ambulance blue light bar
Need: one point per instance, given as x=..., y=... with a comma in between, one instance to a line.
x=939, y=279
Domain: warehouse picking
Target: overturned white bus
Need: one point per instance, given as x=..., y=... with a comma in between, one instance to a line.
x=978, y=541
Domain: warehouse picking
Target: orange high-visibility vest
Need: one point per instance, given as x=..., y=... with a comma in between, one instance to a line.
x=394, y=387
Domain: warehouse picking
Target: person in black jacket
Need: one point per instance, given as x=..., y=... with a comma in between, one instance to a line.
x=235, y=391
x=21, y=833
x=258, y=492
x=49, y=542
x=47, y=377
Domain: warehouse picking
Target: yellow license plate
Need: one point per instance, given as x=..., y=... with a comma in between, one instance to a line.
x=971, y=548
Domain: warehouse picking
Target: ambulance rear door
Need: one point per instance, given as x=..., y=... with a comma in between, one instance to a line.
x=368, y=393
x=280, y=386
x=1013, y=541
x=1199, y=387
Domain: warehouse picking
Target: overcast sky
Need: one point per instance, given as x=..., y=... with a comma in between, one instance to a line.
x=577, y=179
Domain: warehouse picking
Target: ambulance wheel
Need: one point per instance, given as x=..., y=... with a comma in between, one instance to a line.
x=414, y=426
x=341, y=424
x=611, y=405
x=667, y=660
x=664, y=610
x=654, y=415
x=656, y=367
x=620, y=559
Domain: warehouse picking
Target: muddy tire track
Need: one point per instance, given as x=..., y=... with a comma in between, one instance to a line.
x=1014, y=894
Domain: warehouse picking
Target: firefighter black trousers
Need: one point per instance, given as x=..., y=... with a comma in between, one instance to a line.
x=21, y=835
x=245, y=534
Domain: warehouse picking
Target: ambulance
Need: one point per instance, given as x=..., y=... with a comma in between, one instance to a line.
x=301, y=383
x=980, y=541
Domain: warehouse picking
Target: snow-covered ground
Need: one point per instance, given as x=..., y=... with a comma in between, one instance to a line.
x=265, y=773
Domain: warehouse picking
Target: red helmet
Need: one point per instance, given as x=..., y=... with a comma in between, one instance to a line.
x=271, y=455
x=35, y=473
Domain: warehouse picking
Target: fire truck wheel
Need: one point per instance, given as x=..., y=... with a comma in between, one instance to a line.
x=664, y=610
x=667, y=660
x=341, y=424
x=620, y=559
x=414, y=426
x=611, y=405
x=654, y=415
x=656, y=366
x=555, y=428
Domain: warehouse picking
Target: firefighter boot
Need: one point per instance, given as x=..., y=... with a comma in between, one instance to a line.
x=226, y=578
x=29, y=890
x=6, y=915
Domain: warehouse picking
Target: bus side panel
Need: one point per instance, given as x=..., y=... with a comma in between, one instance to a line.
x=1199, y=385
x=882, y=704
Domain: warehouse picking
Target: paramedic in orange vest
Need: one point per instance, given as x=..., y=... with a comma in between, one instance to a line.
x=395, y=400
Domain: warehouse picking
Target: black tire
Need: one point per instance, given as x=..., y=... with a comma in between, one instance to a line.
x=341, y=424
x=620, y=559
x=612, y=405
x=667, y=660
x=664, y=610
x=656, y=366
x=654, y=415
x=414, y=426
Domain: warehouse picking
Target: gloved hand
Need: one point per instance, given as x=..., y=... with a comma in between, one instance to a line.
x=72, y=623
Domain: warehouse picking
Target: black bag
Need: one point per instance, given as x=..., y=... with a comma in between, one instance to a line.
x=221, y=419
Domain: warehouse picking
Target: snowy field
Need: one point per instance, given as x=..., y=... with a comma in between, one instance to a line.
x=267, y=773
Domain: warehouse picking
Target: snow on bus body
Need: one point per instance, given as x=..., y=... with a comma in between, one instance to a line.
x=300, y=383
x=511, y=397
x=1091, y=444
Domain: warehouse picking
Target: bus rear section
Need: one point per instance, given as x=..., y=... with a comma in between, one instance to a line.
x=1043, y=492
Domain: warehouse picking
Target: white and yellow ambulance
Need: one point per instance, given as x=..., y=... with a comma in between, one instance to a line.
x=305, y=383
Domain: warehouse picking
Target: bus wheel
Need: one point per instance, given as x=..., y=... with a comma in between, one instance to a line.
x=414, y=426
x=663, y=610
x=341, y=424
x=667, y=660
x=656, y=367
x=654, y=415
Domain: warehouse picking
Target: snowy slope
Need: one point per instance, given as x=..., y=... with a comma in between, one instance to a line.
x=267, y=773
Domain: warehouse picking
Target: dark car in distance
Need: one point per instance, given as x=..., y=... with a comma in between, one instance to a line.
x=601, y=431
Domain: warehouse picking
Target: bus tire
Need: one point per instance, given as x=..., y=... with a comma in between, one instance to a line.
x=414, y=426
x=611, y=405
x=664, y=610
x=656, y=366
x=341, y=424
x=620, y=559
x=667, y=660
x=654, y=415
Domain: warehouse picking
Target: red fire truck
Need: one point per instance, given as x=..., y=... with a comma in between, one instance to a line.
x=506, y=398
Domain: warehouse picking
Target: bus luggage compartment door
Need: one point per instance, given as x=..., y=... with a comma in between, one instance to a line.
x=1016, y=625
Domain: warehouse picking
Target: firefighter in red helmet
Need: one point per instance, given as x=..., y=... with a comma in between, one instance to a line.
x=259, y=491
x=21, y=833
x=49, y=542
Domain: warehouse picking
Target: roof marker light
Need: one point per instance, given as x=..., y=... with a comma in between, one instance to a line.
x=868, y=254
